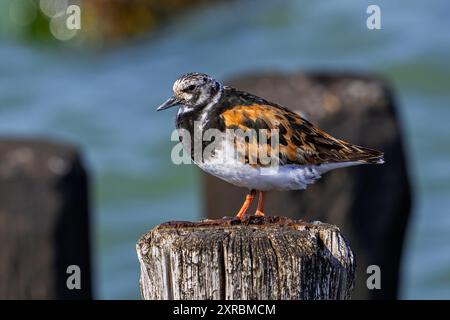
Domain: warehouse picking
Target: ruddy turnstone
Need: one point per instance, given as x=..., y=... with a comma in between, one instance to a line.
x=302, y=154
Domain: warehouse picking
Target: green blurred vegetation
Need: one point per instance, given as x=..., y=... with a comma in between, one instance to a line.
x=103, y=22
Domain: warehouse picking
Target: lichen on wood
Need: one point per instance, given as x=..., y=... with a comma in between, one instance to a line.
x=257, y=258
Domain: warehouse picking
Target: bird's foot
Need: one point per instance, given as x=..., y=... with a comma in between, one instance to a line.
x=259, y=213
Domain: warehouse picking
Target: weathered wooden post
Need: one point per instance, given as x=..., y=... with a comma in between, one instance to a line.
x=258, y=258
x=44, y=221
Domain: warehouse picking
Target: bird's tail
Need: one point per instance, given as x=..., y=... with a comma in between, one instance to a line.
x=369, y=156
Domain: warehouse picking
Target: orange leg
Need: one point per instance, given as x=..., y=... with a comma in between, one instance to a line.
x=248, y=201
x=260, y=209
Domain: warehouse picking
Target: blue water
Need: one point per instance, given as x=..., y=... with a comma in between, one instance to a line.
x=104, y=103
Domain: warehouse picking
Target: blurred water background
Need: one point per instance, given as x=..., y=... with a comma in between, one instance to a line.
x=104, y=102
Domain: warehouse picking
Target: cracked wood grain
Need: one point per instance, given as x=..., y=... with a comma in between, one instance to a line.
x=258, y=258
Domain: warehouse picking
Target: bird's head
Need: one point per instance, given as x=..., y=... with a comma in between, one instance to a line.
x=192, y=90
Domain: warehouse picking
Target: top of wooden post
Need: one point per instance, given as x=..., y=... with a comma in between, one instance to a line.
x=257, y=258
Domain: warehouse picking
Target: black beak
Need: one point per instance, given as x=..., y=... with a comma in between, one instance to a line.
x=169, y=103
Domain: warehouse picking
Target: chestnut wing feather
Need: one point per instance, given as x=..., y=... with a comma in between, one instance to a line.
x=300, y=142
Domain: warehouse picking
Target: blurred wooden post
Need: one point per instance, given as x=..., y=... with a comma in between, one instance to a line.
x=44, y=222
x=364, y=201
x=261, y=258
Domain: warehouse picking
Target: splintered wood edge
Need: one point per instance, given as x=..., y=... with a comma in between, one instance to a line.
x=230, y=223
x=226, y=222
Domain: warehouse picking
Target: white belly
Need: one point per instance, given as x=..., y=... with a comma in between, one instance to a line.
x=288, y=177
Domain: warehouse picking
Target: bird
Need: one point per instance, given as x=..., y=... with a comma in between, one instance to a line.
x=302, y=151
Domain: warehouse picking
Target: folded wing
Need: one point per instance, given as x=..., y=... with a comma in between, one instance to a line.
x=300, y=142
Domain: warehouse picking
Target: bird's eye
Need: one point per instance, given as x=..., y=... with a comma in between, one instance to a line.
x=190, y=88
